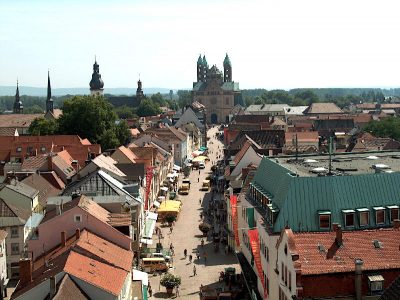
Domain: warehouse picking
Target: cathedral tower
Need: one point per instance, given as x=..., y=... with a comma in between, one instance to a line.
x=139, y=92
x=96, y=84
x=49, y=100
x=200, y=72
x=18, y=107
x=227, y=69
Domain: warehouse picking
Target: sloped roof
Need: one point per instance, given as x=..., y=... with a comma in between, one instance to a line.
x=53, y=179
x=107, y=163
x=6, y=131
x=9, y=210
x=45, y=189
x=265, y=139
x=299, y=199
x=34, y=163
x=303, y=136
x=22, y=188
x=393, y=291
x=188, y=117
x=356, y=244
x=242, y=152
x=18, y=120
x=127, y=153
x=323, y=108
x=68, y=289
x=63, y=165
x=250, y=119
x=96, y=273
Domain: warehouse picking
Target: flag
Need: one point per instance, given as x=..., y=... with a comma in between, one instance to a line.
x=233, y=200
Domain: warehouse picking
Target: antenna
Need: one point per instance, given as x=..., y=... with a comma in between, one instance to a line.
x=296, y=143
x=330, y=156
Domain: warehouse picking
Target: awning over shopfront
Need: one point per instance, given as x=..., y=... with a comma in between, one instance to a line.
x=197, y=153
x=148, y=228
x=170, y=206
x=176, y=168
x=200, y=158
x=142, y=276
x=156, y=203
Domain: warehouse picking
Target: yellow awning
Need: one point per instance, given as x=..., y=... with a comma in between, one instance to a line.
x=200, y=158
x=169, y=206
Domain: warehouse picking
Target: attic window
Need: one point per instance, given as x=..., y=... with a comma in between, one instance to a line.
x=379, y=215
x=77, y=218
x=348, y=217
x=324, y=220
x=19, y=149
x=376, y=283
x=363, y=216
x=394, y=212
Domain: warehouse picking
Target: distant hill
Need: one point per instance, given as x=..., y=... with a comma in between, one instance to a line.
x=39, y=91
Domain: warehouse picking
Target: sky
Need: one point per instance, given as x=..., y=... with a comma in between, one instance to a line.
x=280, y=44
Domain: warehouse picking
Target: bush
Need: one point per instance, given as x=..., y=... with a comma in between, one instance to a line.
x=204, y=227
x=170, y=281
x=170, y=218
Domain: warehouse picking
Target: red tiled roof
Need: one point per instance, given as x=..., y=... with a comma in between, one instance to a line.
x=53, y=179
x=109, y=252
x=6, y=131
x=356, y=244
x=128, y=153
x=35, y=163
x=45, y=189
x=96, y=273
x=18, y=120
x=305, y=136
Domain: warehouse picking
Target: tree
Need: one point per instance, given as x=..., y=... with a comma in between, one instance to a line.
x=185, y=98
x=388, y=127
x=147, y=108
x=123, y=133
x=125, y=112
x=308, y=95
x=158, y=99
x=42, y=126
x=108, y=139
x=35, y=109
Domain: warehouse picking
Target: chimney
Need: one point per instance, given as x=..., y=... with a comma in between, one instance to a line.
x=63, y=238
x=358, y=276
x=77, y=233
x=25, y=271
x=49, y=163
x=52, y=287
x=335, y=226
x=396, y=224
x=339, y=236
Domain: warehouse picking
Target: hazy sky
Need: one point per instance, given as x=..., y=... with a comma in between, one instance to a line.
x=272, y=44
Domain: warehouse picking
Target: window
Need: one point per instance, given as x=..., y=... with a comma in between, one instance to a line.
x=364, y=218
x=77, y=218
x=30, y=149
x=394, y=213
x=14, y=232
x=325, y=220
x=14, y=248
x=348, y=218
x=375, y=283
x=43, y=149
x=379, y=215
x=19, y=149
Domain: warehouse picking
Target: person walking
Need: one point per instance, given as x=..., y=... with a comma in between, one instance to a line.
x=197, y=254
x=198, y=179
x=194, y=271
x=205, y=257
x=150, y=291
x=185, y=253
x=200, y=201
x=177, y=291
x=190, y=258
x=170, y=230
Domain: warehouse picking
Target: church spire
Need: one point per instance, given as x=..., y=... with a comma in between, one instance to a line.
x=18, y=107
x=49, y=100
x=139, y=91
x=96, y=84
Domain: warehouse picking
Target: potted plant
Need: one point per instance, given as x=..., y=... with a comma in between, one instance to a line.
x=170, y=281
x=204, y=228
x=170, y=219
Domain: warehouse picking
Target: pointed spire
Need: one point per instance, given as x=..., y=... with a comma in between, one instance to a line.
x=200, y=60
x=17, y=93
x=18, y=107
x=205, y=61
x=227, y=61
x=48, y=87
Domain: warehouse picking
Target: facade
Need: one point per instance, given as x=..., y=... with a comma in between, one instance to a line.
x=3, y=264
x=216, y=90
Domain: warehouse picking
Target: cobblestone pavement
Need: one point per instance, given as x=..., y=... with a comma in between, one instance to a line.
x=186, y=235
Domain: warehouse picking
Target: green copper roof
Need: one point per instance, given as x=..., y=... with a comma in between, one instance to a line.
x=299, y=199
x=205, y=61
x=227, y=61
x=200, y=60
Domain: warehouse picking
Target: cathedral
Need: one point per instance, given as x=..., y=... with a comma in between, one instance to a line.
x=216, y=90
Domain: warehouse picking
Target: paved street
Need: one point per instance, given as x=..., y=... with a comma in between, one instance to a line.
x=186, y=235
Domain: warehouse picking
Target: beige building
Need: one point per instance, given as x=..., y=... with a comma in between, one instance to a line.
x=216, y=90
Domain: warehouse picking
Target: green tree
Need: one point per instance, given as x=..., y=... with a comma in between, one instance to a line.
x=35, y=109
x=125, y=112
x=42, y=126
x=158, y=99
x=147, y=108
x=123, y=133
x=307, y=95
x=387, y=127
x=185, y=98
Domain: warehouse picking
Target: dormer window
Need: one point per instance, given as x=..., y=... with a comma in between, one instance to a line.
x=349, y=217
x=394, y=212
x=379, y=215
x=363, y=216
x=376, y=283
x=324, y=219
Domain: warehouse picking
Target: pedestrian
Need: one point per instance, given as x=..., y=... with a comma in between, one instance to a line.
x=194, y=271
x=202, y=242
x=198, y=179
x=201, y=216
x=185, y=253
x=170, y=230
x=171, y=247
x=150, y=291
x=197, y=255
x=177, y=291
x=199, y=171
x=200, y=201
x=190, y=258
x=205, y=257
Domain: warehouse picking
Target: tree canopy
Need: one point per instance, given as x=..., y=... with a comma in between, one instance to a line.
x=147, y=108
x=387, y=127
x=42, y=126
x=92, y=117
